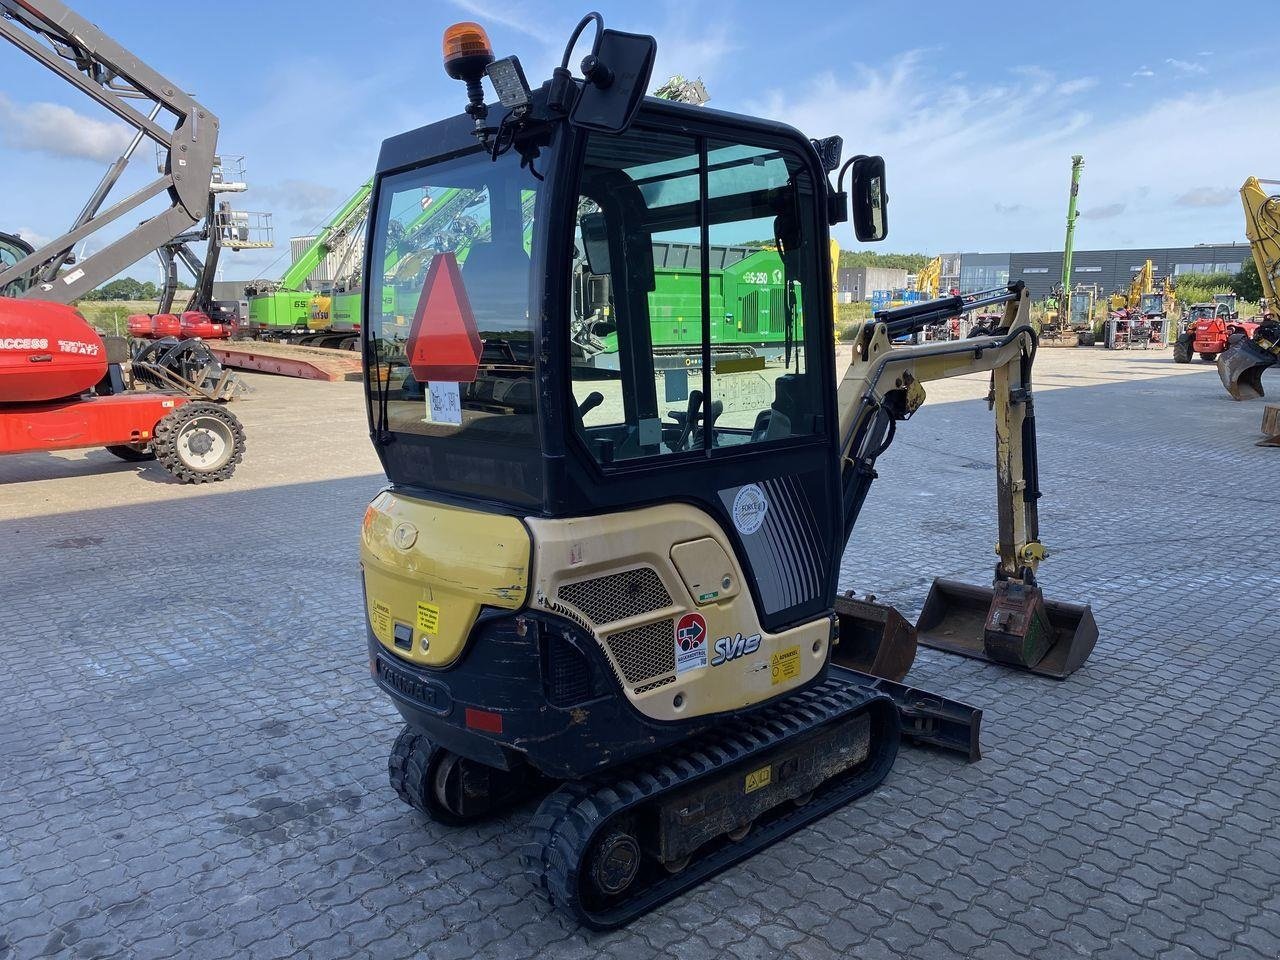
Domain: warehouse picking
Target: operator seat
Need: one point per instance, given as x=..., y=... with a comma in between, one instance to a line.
x=786, y=416
x=496, y=276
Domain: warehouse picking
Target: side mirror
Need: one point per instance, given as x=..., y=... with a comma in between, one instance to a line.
x=869, y=199
x=617, y=76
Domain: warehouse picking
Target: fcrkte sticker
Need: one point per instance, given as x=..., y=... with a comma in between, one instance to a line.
x=691, y=642
x=749, y=508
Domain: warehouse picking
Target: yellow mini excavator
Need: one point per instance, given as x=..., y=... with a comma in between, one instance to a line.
x=615, y=574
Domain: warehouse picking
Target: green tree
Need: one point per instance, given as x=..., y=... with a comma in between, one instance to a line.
x=911, y=262
x=1246, y=284
x=126, y=288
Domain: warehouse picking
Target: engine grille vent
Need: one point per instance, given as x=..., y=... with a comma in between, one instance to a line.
x=657, y=683
x=617, y=596
x=644, y=653
x=568, y=673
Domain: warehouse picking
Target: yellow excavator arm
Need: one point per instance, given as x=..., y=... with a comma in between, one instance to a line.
x=1142, y=283
x=929, y=277
x=883, y=384
x=1262, y=227
x=891, y=379
x=1240, y=366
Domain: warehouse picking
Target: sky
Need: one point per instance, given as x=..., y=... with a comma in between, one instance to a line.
x=977, y=116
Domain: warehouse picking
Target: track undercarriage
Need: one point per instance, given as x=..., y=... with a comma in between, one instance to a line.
x=610, y=847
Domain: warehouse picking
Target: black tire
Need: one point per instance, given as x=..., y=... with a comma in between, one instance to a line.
x=1182, y=351
x=181, y=439
x=1208, y=357
x=413, y=769
x=132, y=453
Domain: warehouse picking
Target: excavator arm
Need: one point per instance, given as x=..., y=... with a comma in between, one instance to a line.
x=1011, y=623
x=349, y=215
x=929, y=276
x=89, y=60
x=1241, y=365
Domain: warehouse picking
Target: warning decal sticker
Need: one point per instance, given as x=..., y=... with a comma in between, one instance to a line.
x=691, y=643
x=428, y=618
x=380, y=620
x=785, y=665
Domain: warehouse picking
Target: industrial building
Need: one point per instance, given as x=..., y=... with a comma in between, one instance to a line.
x=854, y=284
x=1109, y=269
x=330, y=268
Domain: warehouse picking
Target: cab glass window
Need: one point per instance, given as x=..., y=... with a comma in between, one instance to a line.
x=697, y=260
x=452, y=316
x=450, y=322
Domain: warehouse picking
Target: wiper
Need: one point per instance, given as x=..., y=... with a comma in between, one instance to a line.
x=381, y=417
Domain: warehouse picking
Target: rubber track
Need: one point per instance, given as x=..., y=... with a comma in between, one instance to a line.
x=568, y=820
x=410, y=768
x=398, y=765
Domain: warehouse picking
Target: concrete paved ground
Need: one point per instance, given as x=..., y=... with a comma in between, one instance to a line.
x=192, y=755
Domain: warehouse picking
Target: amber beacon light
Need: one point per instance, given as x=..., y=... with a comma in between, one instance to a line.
x=466, y=51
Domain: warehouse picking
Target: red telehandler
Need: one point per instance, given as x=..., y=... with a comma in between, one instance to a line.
x=62, y=384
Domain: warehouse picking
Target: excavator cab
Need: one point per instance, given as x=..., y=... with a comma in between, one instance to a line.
x=624, y=465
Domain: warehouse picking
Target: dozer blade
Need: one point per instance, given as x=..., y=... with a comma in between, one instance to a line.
x=928, y=719
x=1012, y=625
x=874, y=638
x=1240, y=368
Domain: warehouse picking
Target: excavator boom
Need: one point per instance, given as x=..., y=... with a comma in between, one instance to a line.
x=1241, y=365
x=1011, y=623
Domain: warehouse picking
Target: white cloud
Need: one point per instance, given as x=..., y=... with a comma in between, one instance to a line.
x=691, y=46
x=1079, y=85
x=1207, y=197
x=956, y=149
x=1103, y=213
x=58, y=130
x=1144, y=71
x=515, y=16
x=33, y=237
x=1186, y=66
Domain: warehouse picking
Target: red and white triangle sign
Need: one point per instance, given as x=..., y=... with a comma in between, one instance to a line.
x=443, y=341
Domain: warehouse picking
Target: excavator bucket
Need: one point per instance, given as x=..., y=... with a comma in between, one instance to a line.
x=1240, y=367
x=1012, y=624
x=874, y=638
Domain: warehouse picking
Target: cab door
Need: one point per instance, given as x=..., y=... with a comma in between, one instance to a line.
x=676, y=214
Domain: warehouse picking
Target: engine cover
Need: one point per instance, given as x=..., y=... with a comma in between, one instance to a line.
x=48, y=351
